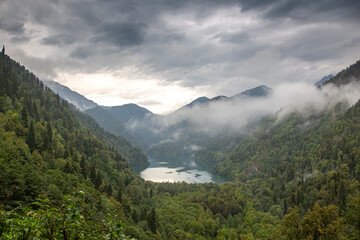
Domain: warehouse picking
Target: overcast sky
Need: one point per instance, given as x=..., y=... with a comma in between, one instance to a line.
x=161, y=54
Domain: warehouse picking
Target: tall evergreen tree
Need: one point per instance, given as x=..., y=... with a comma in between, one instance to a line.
x=342, y=196
x=24, y=117
x=30, y=139
x=48, y=137
x=119, y=195
x=93, y=174
x=285, y=207
x=83, y=167
x=98, y=181
x=152, y=221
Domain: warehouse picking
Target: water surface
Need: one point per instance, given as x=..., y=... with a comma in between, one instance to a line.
x=176, y=171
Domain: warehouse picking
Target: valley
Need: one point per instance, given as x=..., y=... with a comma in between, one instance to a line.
x=62, y=175
x=179, y=120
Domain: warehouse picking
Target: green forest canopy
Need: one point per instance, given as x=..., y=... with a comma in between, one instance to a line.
x=61, y=180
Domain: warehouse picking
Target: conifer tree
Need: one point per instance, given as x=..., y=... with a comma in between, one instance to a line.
x=93, y=174
x=30, y=139
x=342, y=196
x=98, y=181
x=285, y=207
x=119, y=195
x=24, y=117
x=67, y=167
x=152, y=222
x=83, y=167
x=134, y=216
x=109, y=189
x=48, y=137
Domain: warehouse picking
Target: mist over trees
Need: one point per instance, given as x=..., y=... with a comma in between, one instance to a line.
x=63, y=177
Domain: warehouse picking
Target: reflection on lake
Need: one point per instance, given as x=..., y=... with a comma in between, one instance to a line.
x=186, y=170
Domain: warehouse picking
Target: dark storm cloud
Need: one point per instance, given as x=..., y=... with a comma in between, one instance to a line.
x=202, y=43
x=319, y=43
x=236, y=38
x=82, y=53
x=125, y=34
x=20, y=39
x=309, y=8
x=12, y=26
x=60, y=39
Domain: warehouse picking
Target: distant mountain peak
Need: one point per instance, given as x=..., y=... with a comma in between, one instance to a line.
x=350, y=74
x=323, y=80
x=259, y=91
x=219, y=98
x=76, y=99
x=199, y=100
x=129, y=111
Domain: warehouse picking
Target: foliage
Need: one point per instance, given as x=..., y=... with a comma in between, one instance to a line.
x=70, y=221
x=63, y=177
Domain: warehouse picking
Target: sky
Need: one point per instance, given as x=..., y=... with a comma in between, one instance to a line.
x=162, y=54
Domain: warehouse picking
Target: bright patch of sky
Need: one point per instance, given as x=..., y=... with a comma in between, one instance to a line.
x=161, y=54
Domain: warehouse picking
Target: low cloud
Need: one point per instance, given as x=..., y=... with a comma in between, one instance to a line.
x=216, y=47
x=220, y=117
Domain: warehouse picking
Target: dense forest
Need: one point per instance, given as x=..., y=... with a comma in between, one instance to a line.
x=63, y=177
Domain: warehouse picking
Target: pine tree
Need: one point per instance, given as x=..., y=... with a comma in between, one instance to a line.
x=135, y=216
x=342, y=196
x=152, y=221
x=285, y=207
x=119, y=195
x=30, y=139
x=24, y=117
x=83, y=167
x=48, y=137
x=109, y=189
x=93, y=174
x=67, y=168
x=98, y=181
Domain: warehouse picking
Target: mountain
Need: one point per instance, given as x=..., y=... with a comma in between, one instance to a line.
x=349, y=75
x=196, y=126
x=197, y=101
x=128, y=112
x=288, y=135
x=219, y=98
x=111, y=124
x=112, y=119
x=260, y=91
x=323, y=80
x=296, y=177
x=134, y=155
x=78, y=100
x=57, y=176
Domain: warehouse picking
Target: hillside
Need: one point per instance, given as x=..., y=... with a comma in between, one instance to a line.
x=351, y=74
x=129, y=112
x=48, y=156
x=78, y=100
x=260, y=91
x=196, y=125
x=113, y=125
x=59, y=180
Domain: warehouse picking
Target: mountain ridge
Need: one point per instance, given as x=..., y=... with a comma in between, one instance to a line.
x=79, y=101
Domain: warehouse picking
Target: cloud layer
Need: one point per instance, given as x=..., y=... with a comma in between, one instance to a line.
x=198, y=47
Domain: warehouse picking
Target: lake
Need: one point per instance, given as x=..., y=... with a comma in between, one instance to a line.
x=178, y=171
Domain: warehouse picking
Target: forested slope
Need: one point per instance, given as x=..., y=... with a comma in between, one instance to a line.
x=47, y=152
x=60, y=180
x=133, y=154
